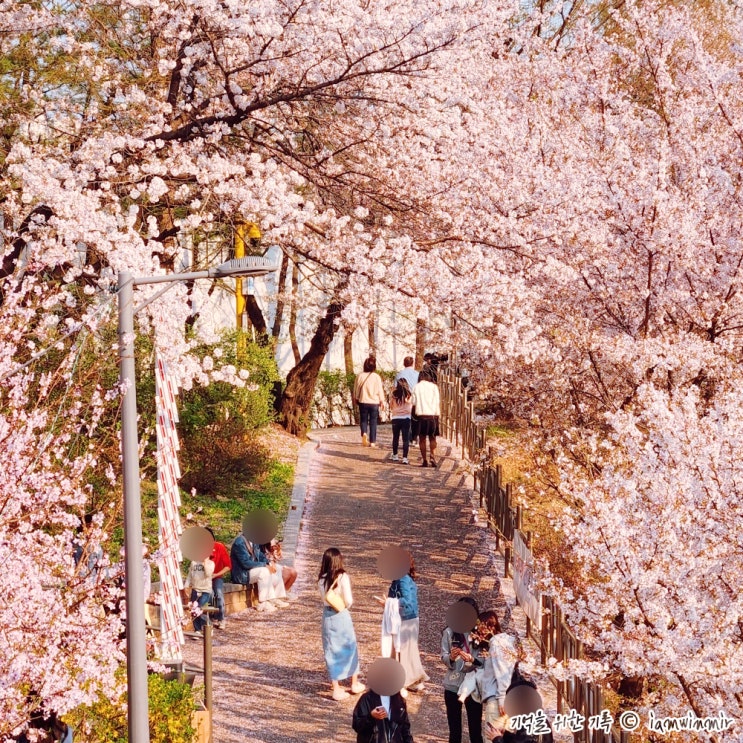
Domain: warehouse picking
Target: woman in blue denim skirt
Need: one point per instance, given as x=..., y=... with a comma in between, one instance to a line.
x=338, y=635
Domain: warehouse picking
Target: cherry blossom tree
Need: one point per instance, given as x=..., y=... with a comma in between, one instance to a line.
x=606, y=247
x=563, y=181
x=135, y=129
x=59, y=611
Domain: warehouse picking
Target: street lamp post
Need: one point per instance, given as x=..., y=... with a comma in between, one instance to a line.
x=136, y=646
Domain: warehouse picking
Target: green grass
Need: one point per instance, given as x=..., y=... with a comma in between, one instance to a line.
x=224, y=514
x=498, y=431
x=271, y=490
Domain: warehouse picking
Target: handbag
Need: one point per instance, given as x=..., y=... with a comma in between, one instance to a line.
x=334, y=598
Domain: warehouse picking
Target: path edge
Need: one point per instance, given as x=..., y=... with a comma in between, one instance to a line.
x=295, y=514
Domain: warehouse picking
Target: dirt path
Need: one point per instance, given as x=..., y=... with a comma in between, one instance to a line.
x=269, y=676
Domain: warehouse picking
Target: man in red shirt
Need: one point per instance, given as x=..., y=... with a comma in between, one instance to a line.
x=221, y=558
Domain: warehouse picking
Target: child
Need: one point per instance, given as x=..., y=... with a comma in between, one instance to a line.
x=401, y=406
x=199, y=580
x=272, y=550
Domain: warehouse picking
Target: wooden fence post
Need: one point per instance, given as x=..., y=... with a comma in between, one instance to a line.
x=458, y=422
x=545, y=617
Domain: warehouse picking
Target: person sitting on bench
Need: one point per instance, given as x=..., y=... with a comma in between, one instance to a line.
x=251, y=565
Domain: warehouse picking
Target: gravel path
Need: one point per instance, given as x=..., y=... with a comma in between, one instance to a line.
x=269, y=676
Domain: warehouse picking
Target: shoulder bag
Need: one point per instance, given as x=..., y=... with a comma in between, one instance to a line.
x=334, y=598
x=361, y=388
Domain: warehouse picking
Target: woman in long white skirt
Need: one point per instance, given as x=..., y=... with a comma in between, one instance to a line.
x=405, y=591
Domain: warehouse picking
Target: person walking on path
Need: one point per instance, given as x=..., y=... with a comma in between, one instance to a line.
x=408, y=373
x=460, y=657
x=338, y=635
x=368, y=393
x=427, y=409
x=221, y=559
x=401, y=405
x=405, y=591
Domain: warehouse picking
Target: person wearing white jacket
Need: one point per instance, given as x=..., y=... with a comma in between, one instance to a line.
x=503, y=654
x=427, y=409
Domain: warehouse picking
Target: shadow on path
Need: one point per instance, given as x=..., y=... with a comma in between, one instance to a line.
x=269, y=676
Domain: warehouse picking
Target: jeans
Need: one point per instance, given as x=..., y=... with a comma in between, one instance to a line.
x=454, y=717
x=401, y=426
x=218, y=591
x=369, y=414
x=202, y=598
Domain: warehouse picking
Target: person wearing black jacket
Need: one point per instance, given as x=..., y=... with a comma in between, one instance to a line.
x=374, y=724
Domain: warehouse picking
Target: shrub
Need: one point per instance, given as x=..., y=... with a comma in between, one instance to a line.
x=333, y=391
x=221, y=458
x=171, y=705
x=217, y=422
x=332, y=403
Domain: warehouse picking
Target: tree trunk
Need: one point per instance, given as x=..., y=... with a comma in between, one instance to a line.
x=420, y=342
x=348, y=360
x=296, y=400
x=278, y=319
x=372, y=327
x=10, y=259
x=255, y=315
x=194, y=316
x=293, y=316
x=348, y=350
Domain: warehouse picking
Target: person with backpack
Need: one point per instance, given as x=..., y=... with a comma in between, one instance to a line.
x=401, y=406
x=528, y=701
x=501, y=675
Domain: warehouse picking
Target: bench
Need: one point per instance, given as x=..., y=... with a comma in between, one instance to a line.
x=237, y=597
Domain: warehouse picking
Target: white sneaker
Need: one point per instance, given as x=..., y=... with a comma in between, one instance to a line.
x=281, y=603
x=395, y=458
x=405, y=460
x=266, y=606
x=373, y=446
